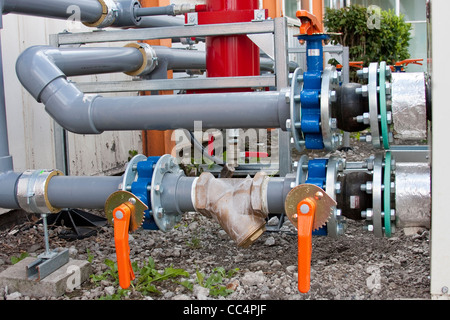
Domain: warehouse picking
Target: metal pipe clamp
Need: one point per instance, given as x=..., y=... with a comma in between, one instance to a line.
x=109, y=15
x=32, y=189
x=150, y=60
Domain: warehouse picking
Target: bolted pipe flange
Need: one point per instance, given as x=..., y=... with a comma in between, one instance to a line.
x=295, y=110
x=131, y=173
x=164, y=219
x=330, y=134
x=333, y=187
x=32, y=189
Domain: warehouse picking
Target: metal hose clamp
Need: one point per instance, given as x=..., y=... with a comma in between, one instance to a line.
x=109, y=15
x=32, y=191
x=149, y=57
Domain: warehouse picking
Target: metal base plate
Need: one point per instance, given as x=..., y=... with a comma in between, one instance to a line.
x=43, y=266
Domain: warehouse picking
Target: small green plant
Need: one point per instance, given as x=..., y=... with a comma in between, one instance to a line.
x=148, y=274
x=110, y=274
x=145, y=278
x=195, y=242
x=90, y=255
x=215, y=281
x=22, y=256
x=131, y=154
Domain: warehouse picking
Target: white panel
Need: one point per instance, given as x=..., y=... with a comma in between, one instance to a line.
x=29, y=127
x=440, y=235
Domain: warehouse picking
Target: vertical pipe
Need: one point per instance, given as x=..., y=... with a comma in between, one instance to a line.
x=275, y=8
x=231, y=56
x=158, y=143
x=6, y=163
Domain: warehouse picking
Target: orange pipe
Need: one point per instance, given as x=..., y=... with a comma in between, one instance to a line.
x=158, y=143
x=275, y=8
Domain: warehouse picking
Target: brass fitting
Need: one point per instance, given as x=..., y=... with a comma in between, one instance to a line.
x=238, y=205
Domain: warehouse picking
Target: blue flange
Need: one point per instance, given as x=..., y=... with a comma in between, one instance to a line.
x=138, y=180
x=310, y=95
x=142, y=186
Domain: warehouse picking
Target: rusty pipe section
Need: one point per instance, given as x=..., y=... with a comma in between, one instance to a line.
x=238, y=205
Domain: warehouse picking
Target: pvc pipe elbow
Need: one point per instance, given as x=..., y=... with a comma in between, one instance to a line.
x=70, y=107
x=35, y=70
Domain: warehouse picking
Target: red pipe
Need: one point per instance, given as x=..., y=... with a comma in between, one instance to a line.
x=231, y=56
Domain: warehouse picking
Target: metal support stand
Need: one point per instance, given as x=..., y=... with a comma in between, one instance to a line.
x=49, y=261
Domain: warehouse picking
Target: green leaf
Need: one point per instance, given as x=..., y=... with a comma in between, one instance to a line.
x=200, y=277
x=22, y=256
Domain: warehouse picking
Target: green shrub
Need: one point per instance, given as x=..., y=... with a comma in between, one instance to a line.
x=387, y=40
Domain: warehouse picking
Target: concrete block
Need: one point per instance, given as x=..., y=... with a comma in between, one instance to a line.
x=66, y=278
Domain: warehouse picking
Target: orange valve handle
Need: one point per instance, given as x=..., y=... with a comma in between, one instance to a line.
x=122, y=216
x=305, y=219
x=310, y=24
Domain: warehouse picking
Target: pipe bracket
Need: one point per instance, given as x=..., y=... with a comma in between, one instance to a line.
x=32, y=189
x=150, y=60
x=109, y=15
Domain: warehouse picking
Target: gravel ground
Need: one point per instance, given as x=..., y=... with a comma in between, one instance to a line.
x=356, y=266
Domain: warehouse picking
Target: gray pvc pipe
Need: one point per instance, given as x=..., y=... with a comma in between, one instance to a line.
x=8, y=182
x=176, y=195
x=161, y=21
x=155, y=11
x=277, y=190
x=90, y=10
x=218, y=111
x=81, y=192
x=180, y=59
x=85, y=61
x=6, y=163
x=37, y=66
x=82, y=114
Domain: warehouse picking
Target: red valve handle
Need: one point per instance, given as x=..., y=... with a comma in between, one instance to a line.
x=122, y=216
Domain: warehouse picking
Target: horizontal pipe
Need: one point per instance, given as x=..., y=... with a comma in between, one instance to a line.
x=177, y=194
x=81, y=192
x=87, y=61
x=39, y=65
x=155, y=11
x=8, y=182
x=83, y=114
x=180, y=59
x=161, y=21
x=277, y=190
x=168, y=112
x=89, y=10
